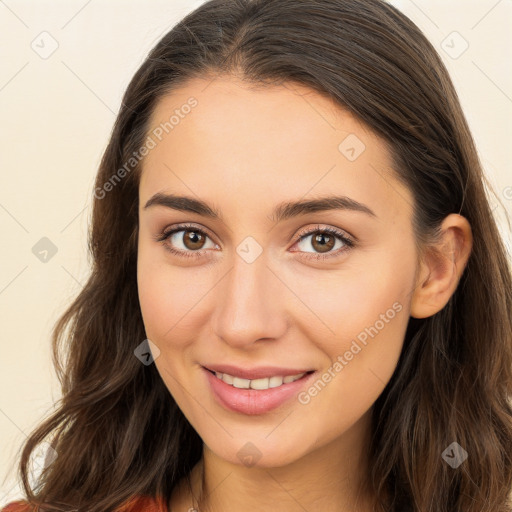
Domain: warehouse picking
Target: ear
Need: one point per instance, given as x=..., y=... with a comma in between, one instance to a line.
x=441, y=267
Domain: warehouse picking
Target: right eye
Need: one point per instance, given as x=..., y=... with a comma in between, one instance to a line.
x=190, y=238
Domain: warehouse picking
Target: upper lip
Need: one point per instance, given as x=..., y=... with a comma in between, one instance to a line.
x=260, y=372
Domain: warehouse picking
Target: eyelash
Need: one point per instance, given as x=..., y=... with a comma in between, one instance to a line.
x=166, y=234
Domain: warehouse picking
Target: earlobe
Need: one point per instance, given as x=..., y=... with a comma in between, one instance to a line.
x=442, y=267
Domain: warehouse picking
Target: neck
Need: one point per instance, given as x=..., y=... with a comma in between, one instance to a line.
x=328, y=478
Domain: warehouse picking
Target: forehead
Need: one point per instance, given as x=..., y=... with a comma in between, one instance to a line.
x=265, y=143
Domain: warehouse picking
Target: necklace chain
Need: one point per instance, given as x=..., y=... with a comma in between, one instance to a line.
x=197, y=500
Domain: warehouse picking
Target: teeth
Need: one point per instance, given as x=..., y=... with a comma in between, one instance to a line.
x=241, y=383
x=266, y=383
x=274, y=382
x=226, y=378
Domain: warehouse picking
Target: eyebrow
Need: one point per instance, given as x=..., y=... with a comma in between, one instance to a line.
x=282, y=211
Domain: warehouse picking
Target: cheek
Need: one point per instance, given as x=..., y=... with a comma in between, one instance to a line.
x=363, y=299
x=170, y=298
x=159, y=300
x=162, y=296
x=157, y=293
x=366, y=312
x=366, y=339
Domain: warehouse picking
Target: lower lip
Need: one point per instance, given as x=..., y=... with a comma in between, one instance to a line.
x=254, y=401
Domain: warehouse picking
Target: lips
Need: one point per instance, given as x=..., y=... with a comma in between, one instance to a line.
x=260, y=372
x=251, y=401
x=263, y=383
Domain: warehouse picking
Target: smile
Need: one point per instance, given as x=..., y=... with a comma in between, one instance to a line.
x=258, y=395
x=265, y=383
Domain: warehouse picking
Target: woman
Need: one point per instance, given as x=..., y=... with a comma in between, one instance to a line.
x=299, y=296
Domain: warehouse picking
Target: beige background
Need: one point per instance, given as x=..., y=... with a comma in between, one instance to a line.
x=57, y=112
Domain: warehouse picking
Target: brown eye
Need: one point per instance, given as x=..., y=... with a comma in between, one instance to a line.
x=187, y=241
x=193, y=240
x=323, y=242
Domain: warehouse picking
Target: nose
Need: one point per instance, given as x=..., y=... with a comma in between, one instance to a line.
x=250, y=304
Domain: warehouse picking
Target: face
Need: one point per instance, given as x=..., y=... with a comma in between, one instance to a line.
x=257, y=289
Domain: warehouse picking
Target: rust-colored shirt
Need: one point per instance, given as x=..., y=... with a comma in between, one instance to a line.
x=135, y=504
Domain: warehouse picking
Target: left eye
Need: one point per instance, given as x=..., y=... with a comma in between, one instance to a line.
x=324, y=240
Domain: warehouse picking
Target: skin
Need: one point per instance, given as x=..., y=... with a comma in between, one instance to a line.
x=244, y=150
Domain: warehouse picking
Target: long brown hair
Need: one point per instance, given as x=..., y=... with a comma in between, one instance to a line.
x=117, y=430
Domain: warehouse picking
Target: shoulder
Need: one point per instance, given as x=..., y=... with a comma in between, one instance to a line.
x=142, y=504
x=17, y=506
x=136, y=504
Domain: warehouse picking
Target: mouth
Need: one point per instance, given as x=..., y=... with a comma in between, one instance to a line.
x=255, y=396
x=274, y=381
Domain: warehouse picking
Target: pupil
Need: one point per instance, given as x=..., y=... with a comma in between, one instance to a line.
x=323, y=244
x=192, y=239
